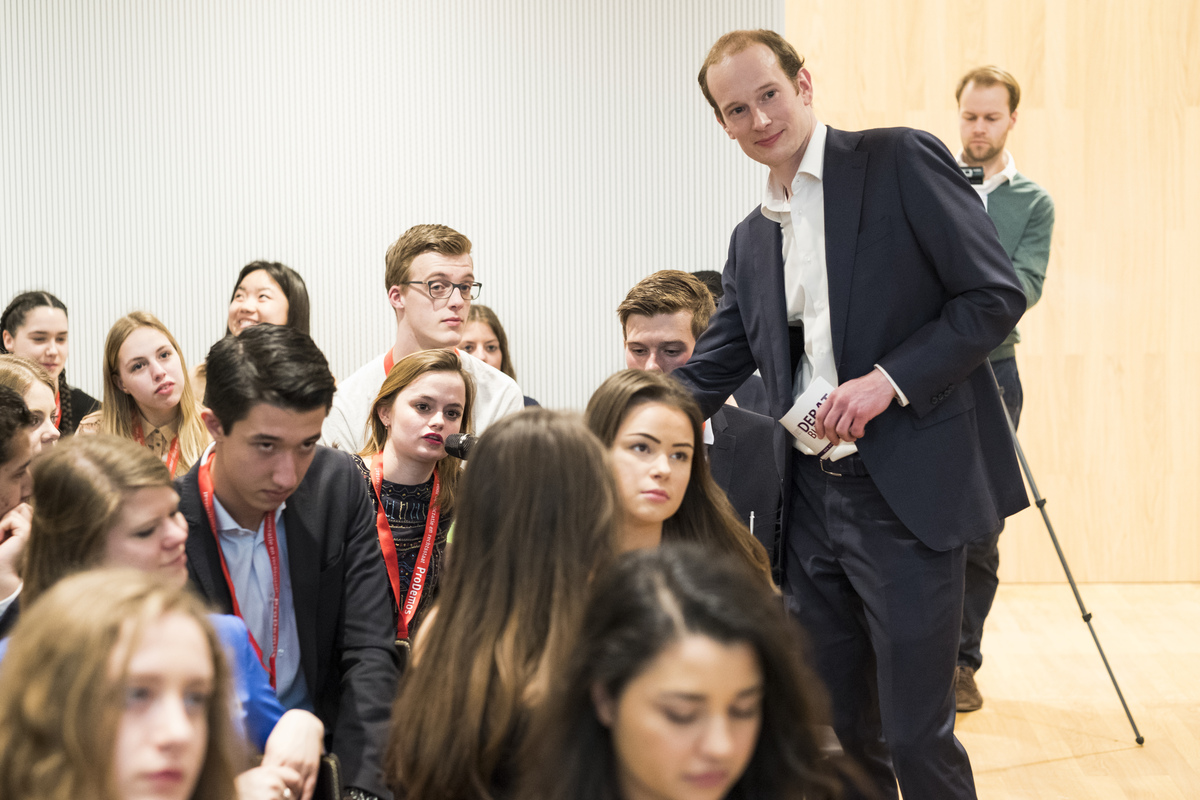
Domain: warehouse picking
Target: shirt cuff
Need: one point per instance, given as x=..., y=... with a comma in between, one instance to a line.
x=8, y=601
x=899, y=393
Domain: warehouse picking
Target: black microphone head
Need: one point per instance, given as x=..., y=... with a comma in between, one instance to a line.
x=460, y=445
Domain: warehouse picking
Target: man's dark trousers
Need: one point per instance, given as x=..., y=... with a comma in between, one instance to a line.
x=884, y=608
x=983, y=555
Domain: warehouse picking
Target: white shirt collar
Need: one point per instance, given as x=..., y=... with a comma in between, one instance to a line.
x=811, y=164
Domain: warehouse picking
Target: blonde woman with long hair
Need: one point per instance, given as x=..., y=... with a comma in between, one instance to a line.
x=148, y=396
x=115, y=687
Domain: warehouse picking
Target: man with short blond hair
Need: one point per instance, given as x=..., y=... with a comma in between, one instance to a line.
x=430, y=280
x=870, y=265
x=1024, y=217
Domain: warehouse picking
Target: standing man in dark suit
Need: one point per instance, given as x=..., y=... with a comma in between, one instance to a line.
x=282, y=534
x=661, y=318
x=876, y=253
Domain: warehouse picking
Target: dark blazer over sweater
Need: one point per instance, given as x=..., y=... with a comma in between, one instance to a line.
x=919, y=284
x=343, y=606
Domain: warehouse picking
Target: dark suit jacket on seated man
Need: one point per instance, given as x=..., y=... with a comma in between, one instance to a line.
x=878, y=245
x=270, y=513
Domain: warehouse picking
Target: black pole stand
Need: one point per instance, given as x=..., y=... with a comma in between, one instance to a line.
x=1040, y=502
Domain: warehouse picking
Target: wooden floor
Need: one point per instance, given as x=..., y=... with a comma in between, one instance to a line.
x=1052, y=725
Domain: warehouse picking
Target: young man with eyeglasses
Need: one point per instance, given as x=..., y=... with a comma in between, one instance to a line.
x=430, y=282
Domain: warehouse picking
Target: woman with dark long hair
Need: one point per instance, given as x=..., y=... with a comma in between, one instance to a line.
x=536, y=516
x=270, y=292
x=266, y=292
x=654, y=434
x=34, y=325
x=687, y=682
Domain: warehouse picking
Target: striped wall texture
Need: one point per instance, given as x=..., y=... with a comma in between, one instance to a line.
x=148, y=150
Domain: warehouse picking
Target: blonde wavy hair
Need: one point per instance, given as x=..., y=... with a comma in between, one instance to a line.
x=61, y=695
x=116, y=416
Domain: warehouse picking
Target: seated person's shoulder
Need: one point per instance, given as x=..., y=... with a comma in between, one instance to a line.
x=89, y=424
x=744, y=418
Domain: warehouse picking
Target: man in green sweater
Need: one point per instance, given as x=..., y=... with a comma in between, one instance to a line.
x=1024, y=216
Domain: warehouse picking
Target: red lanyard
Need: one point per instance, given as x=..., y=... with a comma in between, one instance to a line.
x=206, y=497
x=57, y=411
x=389, y=361
x=172, y=454
x=388, y=545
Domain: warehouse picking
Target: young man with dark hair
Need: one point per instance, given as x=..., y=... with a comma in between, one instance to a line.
x=430, y=280
x=16, y=485
x=661, y=318
x=1024, y=216
x=282, y=534
x=871, y=265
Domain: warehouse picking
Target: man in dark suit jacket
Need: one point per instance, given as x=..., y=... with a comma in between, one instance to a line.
x=273, y=515
x=873, y=266
x=661, y=318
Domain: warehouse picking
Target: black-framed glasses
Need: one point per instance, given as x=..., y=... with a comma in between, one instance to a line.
x=440, y=290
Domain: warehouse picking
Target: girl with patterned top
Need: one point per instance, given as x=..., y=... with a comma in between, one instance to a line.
x=426, y=397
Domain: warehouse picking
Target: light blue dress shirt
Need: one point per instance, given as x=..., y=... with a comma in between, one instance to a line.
x=249, y=567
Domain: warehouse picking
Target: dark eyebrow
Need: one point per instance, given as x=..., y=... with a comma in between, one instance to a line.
x=432, y=399
x=259, y=438
x=659, y=441
x=749, y=691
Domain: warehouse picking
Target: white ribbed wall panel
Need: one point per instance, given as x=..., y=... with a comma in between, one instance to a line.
x=150, y=149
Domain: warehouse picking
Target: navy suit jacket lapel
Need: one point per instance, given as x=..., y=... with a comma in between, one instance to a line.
x=844, y=177
x=721, y=468
x=767, y=257
x=304, y=567
x=204, y=556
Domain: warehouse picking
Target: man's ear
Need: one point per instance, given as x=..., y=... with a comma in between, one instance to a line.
x=396, y=297
x=9, y=341
x=804, y=87
x=215, y=430
x=724, y=127
x=606, y=708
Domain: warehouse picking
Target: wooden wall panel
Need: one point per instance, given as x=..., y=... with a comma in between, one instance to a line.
x=1109, y=123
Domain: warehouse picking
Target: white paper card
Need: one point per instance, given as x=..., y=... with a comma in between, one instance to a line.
x=801, y=422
